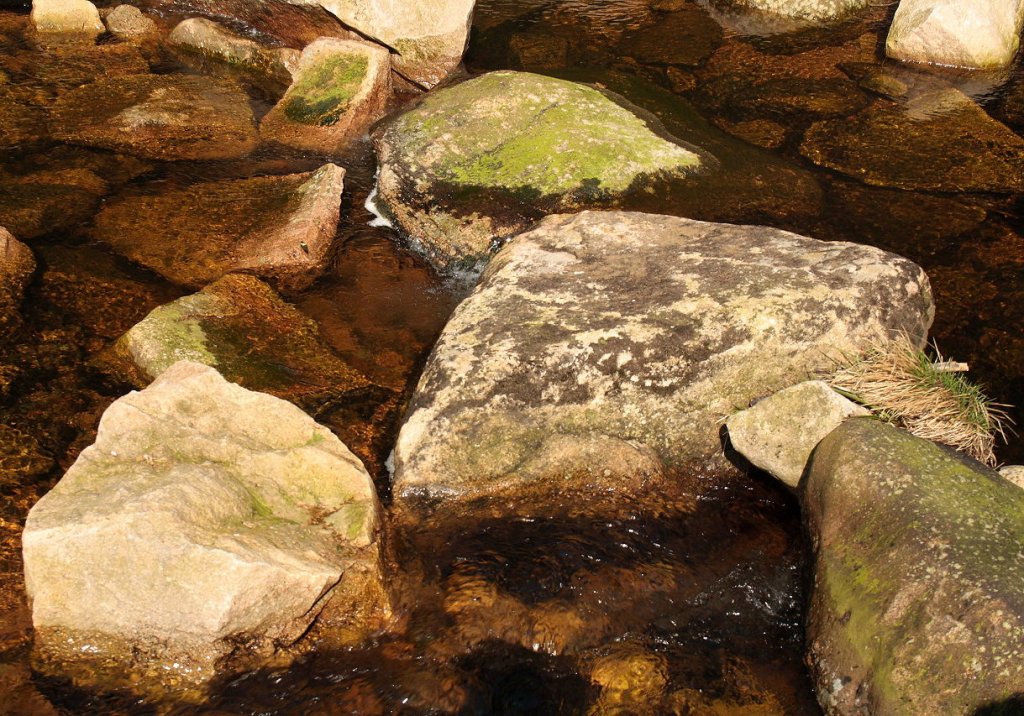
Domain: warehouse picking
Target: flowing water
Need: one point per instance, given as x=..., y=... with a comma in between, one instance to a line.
x=698, y=610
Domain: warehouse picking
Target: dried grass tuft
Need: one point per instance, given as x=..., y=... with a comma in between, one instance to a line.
x=929, y=398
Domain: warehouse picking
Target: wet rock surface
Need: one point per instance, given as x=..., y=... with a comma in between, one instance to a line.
x=599, y=348
x=477, y=162
x=48, y=201
x=280, y=228
x=271, y=519
x=205, y=38
x=241, y=327
x=158, y=117
x=17, y=264
x=917, y=577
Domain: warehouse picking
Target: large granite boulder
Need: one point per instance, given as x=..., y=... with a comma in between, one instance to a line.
x=918, y=605
x=206, y=519
x=428, y=36
x=17, y=264
x=480, y=161
x=280, y=228
x=207, y=39
x=240, y=326
x=66, y=17
x=165, y=117
x=957, y=33
x=341, y=87
x=598, y=348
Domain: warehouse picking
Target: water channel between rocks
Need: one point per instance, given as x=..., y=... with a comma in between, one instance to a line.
x=704, y=606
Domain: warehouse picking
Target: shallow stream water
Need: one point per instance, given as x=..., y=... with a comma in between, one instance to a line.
x=702, y=606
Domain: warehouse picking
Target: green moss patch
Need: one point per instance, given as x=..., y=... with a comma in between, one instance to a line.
x=323, y=93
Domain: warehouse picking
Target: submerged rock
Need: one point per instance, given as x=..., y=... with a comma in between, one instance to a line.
x=207, y=38
x=165, y=117
x=45, y=202
x=17, y=264
x=66, y=17
x=942, y=142
x=341, y=87
x=779, y=433
x=478, y=162
x=241, y=327
x=429, y=36
x=599, y=347
x=686, y=36
x=280, y=228
x=21, y=122
x=958, y=33
x=917, y=605
x=205, y=519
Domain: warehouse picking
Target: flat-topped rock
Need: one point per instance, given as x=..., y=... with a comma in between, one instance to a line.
x=816, y=11
x=341, y=87
x=280, y=228
x=477, y=162
x=205, y=520
x=164, y=117
x=601, y=347
x=66, y=17
x=208, y=39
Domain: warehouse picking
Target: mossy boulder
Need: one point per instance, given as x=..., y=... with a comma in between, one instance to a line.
x=478, y=162
x=241, y=327
x=280, y=228
x=600, y=348
x=341, y=87
x=205, y=521
x=918, y=604
x=166, y=117
x=17, y=264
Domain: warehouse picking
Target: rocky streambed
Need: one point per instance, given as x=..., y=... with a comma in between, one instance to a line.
x=377, y=357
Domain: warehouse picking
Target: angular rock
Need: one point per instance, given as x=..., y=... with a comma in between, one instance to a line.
x=205, y=518
x=779, y=433
x=956, y=33
x=165, y=117
x=341, y=87
x=71, y=17
x=127, y=22
x=950, y=144
x=638, y=331
x=17, y=264
x=478, y=162
x=917, y=604
x=239, y=326
x=429, y=36
x=211, y=40
x=280, y=228
x=816, y=11
x=49, y=201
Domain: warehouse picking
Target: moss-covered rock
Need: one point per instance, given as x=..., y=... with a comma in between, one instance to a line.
x=239, y=326
x=599, y=347
x=477, y=162
x=165, y=117
x=917, y=605
x=341, y=87
x=280, y=228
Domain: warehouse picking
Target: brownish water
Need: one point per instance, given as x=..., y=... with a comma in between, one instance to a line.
x=704, y=607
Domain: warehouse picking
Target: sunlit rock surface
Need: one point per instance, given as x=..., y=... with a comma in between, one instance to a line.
x=165, y=117
x=17, y=264
x=341, y=87
x=599, y=347
x=241, y=327
x=209, y=39
x=958, y=33
x=127, y=22
x=280, y=228
x=482, y=160
x=66, y=17
x=807, y=10
x=917, y=604
x=205, y=518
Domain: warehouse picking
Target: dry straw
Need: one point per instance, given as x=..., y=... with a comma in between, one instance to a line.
x=929, y=398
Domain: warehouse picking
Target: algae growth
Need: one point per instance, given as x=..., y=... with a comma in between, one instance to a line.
x=324, y=92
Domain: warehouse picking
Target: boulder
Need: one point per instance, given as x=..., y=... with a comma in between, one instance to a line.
x=17, y=264
x=127, y=22
x=341, y=87
x=940, y=142
x=211, y=40
x=601, y=346
x=240, y=326
x=205, y=519
x=917, y=605
x=45, y=202
x=814, y=11
x=427, y=36
x=779, y=433
x=478, y=162
x=957, y=33
x=66, y=17
x=280, y=228
x=164, y=117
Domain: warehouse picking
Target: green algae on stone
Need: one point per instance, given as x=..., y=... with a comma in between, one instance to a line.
x=322, y=95
x=919, y=571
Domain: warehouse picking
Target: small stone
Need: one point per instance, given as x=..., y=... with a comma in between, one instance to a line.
x=1013, y=473
x=128, y=22
x=779, y=433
